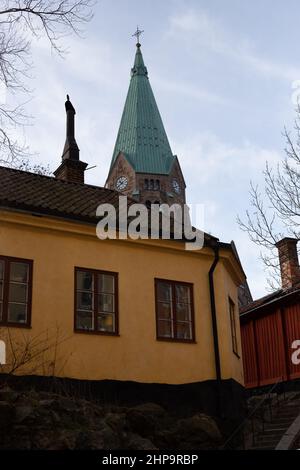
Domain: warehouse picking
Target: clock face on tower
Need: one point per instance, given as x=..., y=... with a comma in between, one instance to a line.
x=176, y=186
x=121, y=183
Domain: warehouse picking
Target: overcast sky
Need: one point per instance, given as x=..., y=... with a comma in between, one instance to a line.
x=222, y=73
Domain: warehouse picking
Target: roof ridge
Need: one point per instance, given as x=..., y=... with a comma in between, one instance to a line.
x=66, y=183
x=18, y=170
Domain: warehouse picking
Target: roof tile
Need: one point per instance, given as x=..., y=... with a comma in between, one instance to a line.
x=48, y=195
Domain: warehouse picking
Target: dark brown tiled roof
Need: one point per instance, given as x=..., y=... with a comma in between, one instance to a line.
x=47, y=195
x=269, y=299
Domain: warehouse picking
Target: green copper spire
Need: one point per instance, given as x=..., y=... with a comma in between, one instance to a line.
x=142, y=137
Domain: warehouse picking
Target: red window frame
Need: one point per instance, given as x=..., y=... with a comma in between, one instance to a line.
x=96, y=273
x=173, y=285
x=6, y=284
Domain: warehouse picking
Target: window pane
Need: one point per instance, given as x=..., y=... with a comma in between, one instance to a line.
x=1, y=290
x=183, y=312
x=165, y=329
x=106, y=283
x=106, y=323
x=84, y=280
x=164, y=311
x=183, y=330
x=182, y=293
x=1, y=270
x=164, y=291
x=84, y=301
x=84, y=320
x=17, y=313
x=18, y=293
x=106, y=303
x=18, y=272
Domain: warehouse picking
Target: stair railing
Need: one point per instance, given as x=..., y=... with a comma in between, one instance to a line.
x=258, y=411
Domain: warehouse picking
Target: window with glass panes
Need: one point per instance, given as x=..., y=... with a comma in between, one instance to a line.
x=96, y=306
x=15, y=291
x=174, y=310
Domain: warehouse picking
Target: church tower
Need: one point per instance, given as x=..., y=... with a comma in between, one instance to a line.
x=143, y=165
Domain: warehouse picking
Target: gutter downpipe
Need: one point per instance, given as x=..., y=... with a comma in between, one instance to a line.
x=215, y=326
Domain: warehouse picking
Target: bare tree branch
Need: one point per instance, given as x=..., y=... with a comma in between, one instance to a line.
x=275, y=213
x=22, y=21
x=31, y=354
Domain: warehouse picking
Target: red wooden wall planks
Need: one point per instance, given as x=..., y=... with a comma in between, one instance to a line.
x=292, y=323
x=266, y=342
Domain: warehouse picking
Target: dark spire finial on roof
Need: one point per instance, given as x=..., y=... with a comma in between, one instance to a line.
x=69, y=106
x=137, y=34
x=71, y=168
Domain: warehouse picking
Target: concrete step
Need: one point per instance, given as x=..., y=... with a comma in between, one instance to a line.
x=284, y=416
x=276, y=425
x=267, y=442
x=284, y=412
x=268, y=437
x=262, y=448
x=283, y=421
x=278, y=433
x=293, y=400
x=292, y=404
x=281, y=416
x=288, y=413
x=275, y=429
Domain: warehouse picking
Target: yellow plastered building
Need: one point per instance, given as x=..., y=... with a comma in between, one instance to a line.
x=145, y=312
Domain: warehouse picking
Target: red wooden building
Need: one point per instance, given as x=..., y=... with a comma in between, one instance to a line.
x=271, y=325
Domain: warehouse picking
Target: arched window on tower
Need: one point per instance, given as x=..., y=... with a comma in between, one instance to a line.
x=146, y=184
x=151, y=185
x=157, y=185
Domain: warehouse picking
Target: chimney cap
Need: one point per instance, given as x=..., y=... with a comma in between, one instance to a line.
x=287, y=240
x=289, y=263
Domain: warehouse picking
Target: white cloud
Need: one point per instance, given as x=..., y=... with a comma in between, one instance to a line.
x=217, y=175
x=88, y=60
x=188, y=90
x=206, y=157
x=197, y=27
x=88, y=67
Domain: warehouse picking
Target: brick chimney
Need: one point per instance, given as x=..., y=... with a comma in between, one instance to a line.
x=71, y=169
x=289, y=263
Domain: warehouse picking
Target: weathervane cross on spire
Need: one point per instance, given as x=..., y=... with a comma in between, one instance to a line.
x=137, y=34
